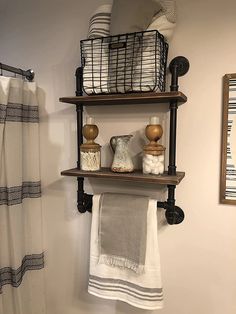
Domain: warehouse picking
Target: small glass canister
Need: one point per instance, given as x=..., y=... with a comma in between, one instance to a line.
x=90, y=152
x=153, y=153
x=153, y=160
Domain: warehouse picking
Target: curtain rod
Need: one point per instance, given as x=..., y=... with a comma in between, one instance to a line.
x=29, y=74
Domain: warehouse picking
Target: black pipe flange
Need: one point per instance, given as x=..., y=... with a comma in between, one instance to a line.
x=174, y=216
x=182, y=65
x=81, y=209
x=87, y=203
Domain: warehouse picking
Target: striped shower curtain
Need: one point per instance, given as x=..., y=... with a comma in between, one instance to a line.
x=21, y=253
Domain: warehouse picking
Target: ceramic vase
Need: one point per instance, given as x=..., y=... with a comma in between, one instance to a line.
x=122, y=161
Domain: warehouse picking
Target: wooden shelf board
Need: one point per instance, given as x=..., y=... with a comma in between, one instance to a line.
x=126, y=99
x=138, y=176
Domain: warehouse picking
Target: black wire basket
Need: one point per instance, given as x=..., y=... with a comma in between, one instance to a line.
x=126, y=63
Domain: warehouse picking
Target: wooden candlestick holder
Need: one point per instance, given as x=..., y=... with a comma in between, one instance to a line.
x=154, y=133
x=90, y=132
x=90, y=152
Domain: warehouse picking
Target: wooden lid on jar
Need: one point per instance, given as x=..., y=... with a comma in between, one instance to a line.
x=90, y=132
x=90, y=147
x=154, y=150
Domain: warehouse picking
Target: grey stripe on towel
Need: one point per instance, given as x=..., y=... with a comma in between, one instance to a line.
x=14, y=277
x=99, y=25
x=109, y=284
x=14, y=195
x=13, y=112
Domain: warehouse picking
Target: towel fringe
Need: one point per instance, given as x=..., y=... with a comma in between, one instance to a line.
x=117, y=261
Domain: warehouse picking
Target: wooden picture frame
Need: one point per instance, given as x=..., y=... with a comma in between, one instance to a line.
x=228, y=146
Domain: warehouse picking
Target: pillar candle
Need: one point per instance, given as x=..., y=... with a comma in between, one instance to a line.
x=89, y=120
x=154, y=120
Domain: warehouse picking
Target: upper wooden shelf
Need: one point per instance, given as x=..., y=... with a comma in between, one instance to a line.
x=125, y=99
x=137, y=176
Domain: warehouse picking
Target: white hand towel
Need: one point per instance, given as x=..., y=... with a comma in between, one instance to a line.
x=141, y=290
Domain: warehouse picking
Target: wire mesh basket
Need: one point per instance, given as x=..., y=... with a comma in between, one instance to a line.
x=126, y=63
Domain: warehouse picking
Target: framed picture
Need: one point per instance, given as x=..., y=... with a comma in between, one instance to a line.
x=228, y=149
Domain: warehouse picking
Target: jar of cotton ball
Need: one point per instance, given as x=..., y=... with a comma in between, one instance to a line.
x=90, y=152
x=153, y=153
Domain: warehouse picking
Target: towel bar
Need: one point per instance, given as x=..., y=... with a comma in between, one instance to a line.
x=174, y=214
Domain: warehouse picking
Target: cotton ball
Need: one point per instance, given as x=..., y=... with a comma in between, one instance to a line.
x=152, y=164
x=148, y=160
x=155, y=171
x=158, y=164
x=147, y=163
x=148, y=156
x=146, y=169
x=161, y=168
x=155, y=158
x=161, y=158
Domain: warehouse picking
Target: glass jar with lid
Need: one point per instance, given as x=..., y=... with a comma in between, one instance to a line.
x=90, y=152
x=154, y=153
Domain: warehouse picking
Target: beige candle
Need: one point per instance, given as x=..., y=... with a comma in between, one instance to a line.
x=90, y=120
x=154, y=120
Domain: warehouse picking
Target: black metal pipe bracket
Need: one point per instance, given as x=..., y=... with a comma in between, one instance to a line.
x=174, y=214
x=179, y=66
x=85, y=202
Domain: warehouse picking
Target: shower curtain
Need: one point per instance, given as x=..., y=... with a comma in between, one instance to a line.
x=21, y=253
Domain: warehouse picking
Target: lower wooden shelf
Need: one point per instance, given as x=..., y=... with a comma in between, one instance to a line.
x=138, y=176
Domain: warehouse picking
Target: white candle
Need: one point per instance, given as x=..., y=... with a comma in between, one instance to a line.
x=89, y=120
x=154, y=120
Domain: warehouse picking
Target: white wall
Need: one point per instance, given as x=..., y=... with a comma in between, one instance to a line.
x=199, y=256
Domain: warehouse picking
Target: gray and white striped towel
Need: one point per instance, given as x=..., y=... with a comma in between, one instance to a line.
x=99, y=25
x=95, y=73
x=140, y=290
